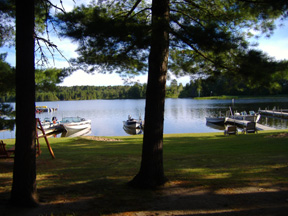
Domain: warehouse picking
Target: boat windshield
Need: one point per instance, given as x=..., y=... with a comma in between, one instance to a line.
x=72, y=119
x=244, y=113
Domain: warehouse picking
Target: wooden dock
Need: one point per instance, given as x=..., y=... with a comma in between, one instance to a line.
x=278, y=113
x=244, y=123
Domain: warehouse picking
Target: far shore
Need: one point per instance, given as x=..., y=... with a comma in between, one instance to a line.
x=226, y=97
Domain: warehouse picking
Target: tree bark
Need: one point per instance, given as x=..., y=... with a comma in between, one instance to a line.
x=24, y=191
x=151, y=172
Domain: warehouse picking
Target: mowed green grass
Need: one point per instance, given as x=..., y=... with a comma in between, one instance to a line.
x=85, y=167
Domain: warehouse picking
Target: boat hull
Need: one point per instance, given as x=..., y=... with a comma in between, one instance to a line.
x=132, y=131
x=77, y=133
x=132, y=124
x=50, y=130
x=215, y=120
x=77, y=125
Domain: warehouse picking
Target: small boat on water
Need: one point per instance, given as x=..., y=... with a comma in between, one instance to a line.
x=75, y=123
x=41, y=109
x=133, y=123
x=217, y=119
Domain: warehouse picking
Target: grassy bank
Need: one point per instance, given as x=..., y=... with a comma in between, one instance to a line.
x=89, y=175
x=220, y=97
x=226, y=97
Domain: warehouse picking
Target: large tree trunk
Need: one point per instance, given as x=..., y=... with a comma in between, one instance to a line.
x=151, y=172
x=24, y=174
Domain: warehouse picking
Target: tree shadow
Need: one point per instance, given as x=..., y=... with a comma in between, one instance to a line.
x=227, y=189
x=109, y=197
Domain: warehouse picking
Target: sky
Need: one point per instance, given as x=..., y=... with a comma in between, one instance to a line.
x=276, y=46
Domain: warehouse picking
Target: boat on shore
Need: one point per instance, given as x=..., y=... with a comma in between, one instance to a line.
x=47, y=123
x=50, y=126
x=133, y=123
x=75, y=123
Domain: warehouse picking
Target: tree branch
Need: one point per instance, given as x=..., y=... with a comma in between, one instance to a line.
x=49, y=45
x=195, y=49
x=55, y=6
x=133, y=8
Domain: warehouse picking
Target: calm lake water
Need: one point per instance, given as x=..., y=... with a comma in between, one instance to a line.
x=181, y=115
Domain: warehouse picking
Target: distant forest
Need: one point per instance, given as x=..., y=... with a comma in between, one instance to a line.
x=200, y=87
x=137, y=91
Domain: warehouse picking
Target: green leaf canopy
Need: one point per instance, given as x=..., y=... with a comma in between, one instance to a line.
x=206, y=37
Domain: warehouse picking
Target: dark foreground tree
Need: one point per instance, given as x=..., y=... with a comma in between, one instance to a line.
x=151, y=172
x=24, y=191
x=24, y=173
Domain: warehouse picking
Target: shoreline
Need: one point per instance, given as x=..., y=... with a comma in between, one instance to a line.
x=198, y=134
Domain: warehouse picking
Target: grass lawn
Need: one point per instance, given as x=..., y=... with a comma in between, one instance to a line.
x=208, y=172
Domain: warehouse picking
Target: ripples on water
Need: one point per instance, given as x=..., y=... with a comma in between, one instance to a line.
x=181, y=115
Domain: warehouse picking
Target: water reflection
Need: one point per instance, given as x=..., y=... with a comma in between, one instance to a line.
x=275, y=122
x=216, y=126
x=181, y=115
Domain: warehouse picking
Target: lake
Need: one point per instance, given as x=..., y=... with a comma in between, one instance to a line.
x=181, y=115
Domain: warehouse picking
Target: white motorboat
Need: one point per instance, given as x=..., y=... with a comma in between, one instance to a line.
x=133, y=123
x=75, y=123
x=49, y=126
x=46, y=124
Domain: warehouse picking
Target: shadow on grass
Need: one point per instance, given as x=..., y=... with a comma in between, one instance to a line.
x=105, y=197
x=245, y=175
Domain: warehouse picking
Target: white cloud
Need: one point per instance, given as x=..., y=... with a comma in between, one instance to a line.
x=275, y=48
x=97, y=79
x=69, y=4
x=277, y=44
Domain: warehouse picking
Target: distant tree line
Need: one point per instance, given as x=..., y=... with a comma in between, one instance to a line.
x=136, y=91
x=86, y=93
x=224, y=85
x=210, y=86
